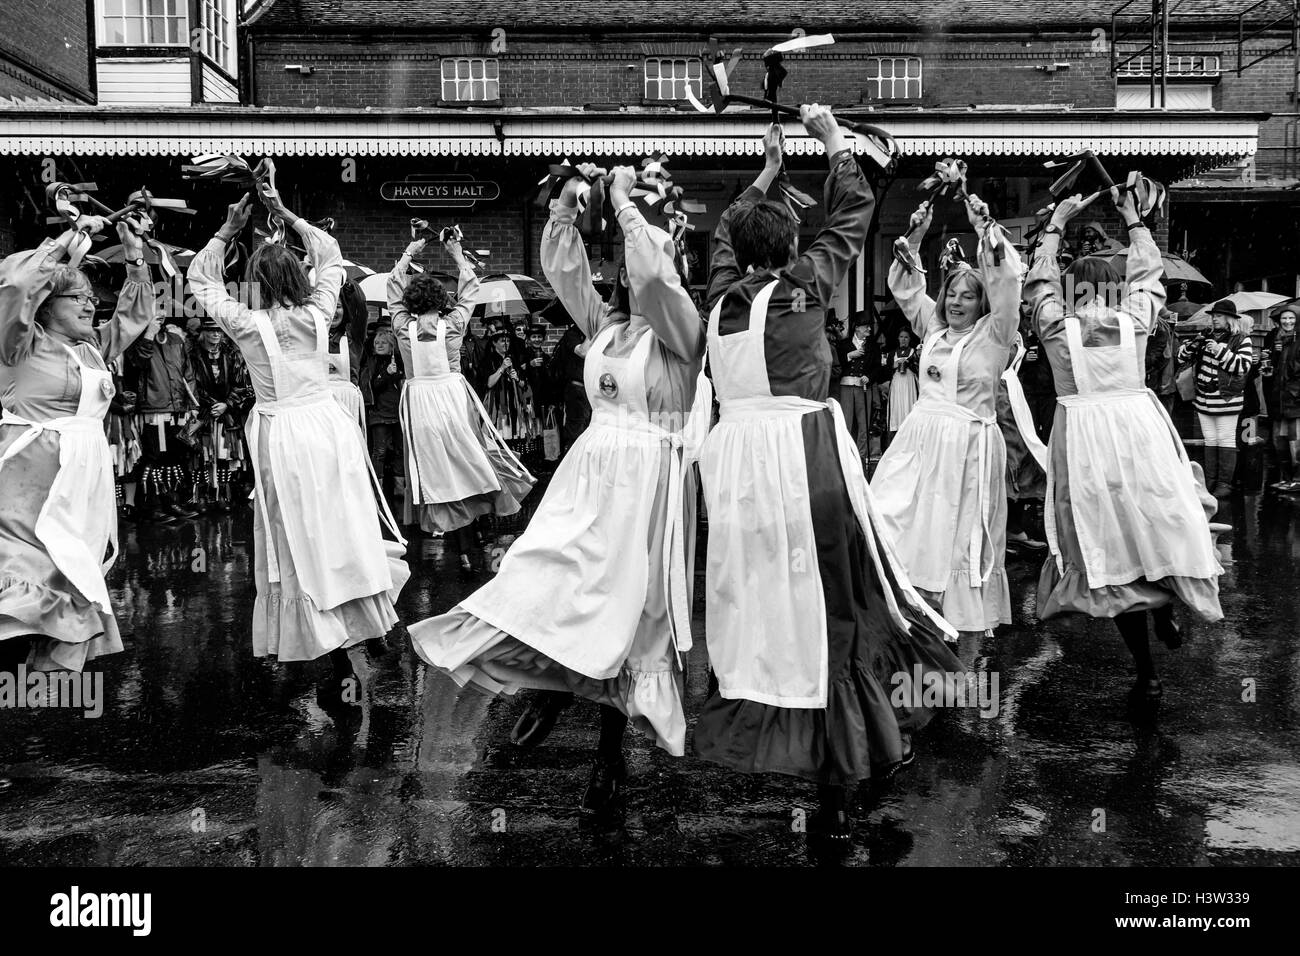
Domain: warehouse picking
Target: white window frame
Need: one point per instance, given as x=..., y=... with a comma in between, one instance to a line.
x=692, y=75
x=129, y=11
x=1208, y=66
x=462, y=80
x=882, y=86
x=217, y=39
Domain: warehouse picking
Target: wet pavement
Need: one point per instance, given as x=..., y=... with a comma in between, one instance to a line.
x=205, y=756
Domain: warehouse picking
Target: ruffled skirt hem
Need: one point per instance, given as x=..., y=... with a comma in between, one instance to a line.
x=1069, y=593
x=67, y=630
x=474, y=653
x=974, y=609
x=296, y=630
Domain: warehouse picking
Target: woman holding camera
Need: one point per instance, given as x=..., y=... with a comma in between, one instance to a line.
x=58, y=514
x=458, y=465
x=1223, y=358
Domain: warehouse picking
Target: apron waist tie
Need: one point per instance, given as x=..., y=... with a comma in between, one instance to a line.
x=979, y=532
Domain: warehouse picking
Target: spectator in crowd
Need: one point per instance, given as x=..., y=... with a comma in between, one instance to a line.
x=167, y=406
x=1162, y=360
x=903, y=362
x=1223, y=357
x=1280, y=375
x=225, y=396
x=569, y=389
x=535, y=370
x=381, y=386
x=859, y=357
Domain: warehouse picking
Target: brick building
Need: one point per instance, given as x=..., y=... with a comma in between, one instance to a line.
x=364, y=103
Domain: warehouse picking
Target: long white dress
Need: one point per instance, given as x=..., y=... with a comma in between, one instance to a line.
x=941, y=485
x=458, y=465
x=1126, y=520
x=326, y=577
x=58, y=516
x=594, y=597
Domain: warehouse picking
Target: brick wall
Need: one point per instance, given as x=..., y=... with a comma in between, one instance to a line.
x=50, y=35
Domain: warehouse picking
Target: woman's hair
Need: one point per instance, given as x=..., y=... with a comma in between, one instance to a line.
x=911, y=336
x=386, y=335
x=426, y=294
x=65, y=277
x=276, y=276
x=761, y=235
x=1092, y=278
x=353, y=301
x=975, y=278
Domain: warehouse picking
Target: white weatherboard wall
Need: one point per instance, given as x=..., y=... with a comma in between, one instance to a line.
x=143, y=81
x=216, y=88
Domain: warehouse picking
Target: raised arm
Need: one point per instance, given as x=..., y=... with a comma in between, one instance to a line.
x=724, y=271
x=908, y=288
x=1144, y=294
x=1002, y=282
x=652, y=275
x=324, y=255
x=395, y=290
x=25, y=279
x=206, y=274
x=1043, y=290
x=467, y=288
x=849, y=203
x=565, y=263
x=135, y=302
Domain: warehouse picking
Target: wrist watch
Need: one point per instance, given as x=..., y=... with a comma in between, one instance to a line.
x=137, y=261
x=1053, y=227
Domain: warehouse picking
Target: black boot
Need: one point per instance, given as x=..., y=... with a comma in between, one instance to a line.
x=537, y=721
x=1166, y=628
x=831, y=825
x=609, y=771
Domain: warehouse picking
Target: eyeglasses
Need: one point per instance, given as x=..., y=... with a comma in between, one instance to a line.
x=81, y=297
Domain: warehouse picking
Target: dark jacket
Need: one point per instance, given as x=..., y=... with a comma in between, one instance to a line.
x=1282, y=388
x=381, y=389
x=566, y=364
x=222, y=382
x=867, y=364
x=165, y=376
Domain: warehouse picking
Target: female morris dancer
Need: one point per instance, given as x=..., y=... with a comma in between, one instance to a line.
x=326, y=578
x=1125, y=521
x=594, y=598
x=347, y=340
x=941, y=486
x=810, y=620
x=458, y=466
x=58, y=514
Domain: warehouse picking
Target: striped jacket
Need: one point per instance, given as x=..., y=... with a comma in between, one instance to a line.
x=1237, y=358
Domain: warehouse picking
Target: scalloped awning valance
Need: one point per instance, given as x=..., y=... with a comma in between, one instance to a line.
x=100, y=132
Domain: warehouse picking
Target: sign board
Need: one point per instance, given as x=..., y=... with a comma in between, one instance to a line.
x=448, y=191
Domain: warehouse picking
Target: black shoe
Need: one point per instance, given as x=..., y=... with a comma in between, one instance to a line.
x=605, y=787
x=1146, y=690
x=177, y=511
x=1170, y=634
x=537, y=721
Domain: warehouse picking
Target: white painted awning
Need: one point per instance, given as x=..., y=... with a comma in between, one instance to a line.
x=114, y=132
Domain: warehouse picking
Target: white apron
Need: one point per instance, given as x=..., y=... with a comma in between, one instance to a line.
x=78, y=522
x=1133, y=495
x=345, y=393
x=445, y=457
x=1020, y=408
x=574, y=586
x=766, y=612
x=920, y=481
x=324, y=481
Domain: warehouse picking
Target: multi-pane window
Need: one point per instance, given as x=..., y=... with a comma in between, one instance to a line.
x=144, y=22
x=469, y=78
x=219, y=32
x=668, y=78
x=894, y=77
x=1180, y=64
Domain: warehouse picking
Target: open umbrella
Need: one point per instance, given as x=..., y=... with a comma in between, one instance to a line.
x=504, y=294
x=1254, y=304
x=356, y=271
x=1177, y=269
x=113, y=255
x=375, y=285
